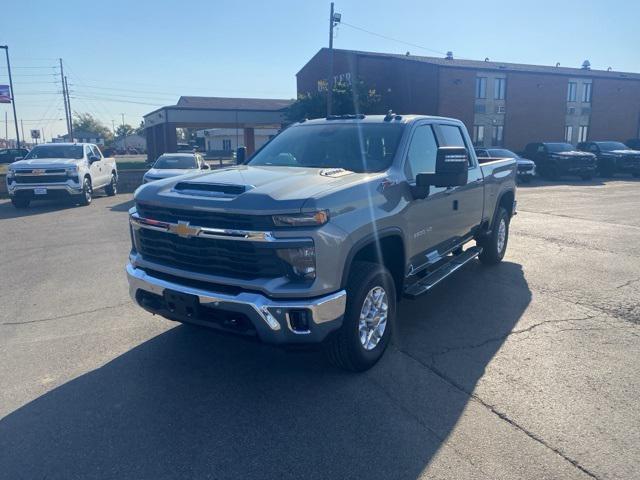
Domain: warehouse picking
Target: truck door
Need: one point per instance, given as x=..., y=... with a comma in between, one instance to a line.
x=426, y=217
x=465, y=203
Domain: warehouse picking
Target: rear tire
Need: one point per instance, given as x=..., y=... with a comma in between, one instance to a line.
x=494, y=245
x=112, y=188
x=20, y=202
x=367, y=325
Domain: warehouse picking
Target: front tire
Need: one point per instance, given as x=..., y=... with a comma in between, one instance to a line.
x=87, y=192
x=112, y=188
x=20, y=202
x=368, y=321
x=494, y=245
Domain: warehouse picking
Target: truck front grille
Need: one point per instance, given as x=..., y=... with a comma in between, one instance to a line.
x=41, y=178
x=228, y=258
x=205, y=218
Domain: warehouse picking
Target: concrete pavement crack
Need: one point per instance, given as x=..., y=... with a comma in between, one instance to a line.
x=68, y=315
x=503, y=416
x=513, y=332
x=630, y=282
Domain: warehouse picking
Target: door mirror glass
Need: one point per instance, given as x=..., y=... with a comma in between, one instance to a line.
x=452, y=169
x=93, y=158
x=205, y=166
x=18, y=158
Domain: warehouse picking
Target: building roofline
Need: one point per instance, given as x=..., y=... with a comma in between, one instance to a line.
x=492, y=65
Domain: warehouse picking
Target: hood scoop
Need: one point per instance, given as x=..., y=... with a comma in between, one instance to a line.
x=210, y=189
x=334, y=172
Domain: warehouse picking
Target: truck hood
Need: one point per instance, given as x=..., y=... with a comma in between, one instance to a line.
x=625, y=153
x=248, y=189
x=45, y=163
x=572, y=153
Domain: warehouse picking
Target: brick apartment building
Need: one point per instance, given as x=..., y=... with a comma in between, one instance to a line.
x=502, y=104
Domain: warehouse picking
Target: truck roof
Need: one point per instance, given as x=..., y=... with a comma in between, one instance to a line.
x=67, y=144
x=392, y=118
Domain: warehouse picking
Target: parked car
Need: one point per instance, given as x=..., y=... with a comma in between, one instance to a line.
x=633, y=143
x=174, y=164
x=526, y=168
x=613, y=157
x=61, y=170
x=10, y=155
x=554, y=159
x=318, y=236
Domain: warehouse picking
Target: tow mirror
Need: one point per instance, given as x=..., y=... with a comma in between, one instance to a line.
x=18, y=159
x=93, y=158
x=241, y=155
x=452, y=169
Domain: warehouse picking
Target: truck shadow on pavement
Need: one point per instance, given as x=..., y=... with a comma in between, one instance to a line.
x=190, y=403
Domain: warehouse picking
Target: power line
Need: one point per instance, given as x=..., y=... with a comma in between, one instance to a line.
x=386, y=37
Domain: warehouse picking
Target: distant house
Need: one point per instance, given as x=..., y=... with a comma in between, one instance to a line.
x=222, y=140
x=81, y=136
x=136, y=141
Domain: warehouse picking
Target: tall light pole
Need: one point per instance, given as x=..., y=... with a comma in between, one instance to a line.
x=13, y=97
x=124, y=135
x=334, y=19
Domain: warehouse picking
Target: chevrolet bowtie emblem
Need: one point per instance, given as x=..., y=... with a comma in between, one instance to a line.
x=39, y=171
x=183, y=229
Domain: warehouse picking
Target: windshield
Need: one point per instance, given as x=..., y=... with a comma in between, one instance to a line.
x=608, y=146
x=359, y=147
x=178, y=162
x=502, y=153
x=56, y=151
x=559, y=147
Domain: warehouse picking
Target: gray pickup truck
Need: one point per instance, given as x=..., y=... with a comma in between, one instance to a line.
x=321, y=232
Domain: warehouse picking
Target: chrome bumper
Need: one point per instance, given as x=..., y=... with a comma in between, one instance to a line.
x=270, y=317
x=12, y=188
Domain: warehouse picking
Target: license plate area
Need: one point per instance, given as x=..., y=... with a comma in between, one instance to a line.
x=181, y=304
x=40, y=191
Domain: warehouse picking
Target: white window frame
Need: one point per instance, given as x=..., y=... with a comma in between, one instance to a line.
x=587, y=92
x=495, y=140
x=572, y=91
x=583, y=133
x=499, y=88
x=568, y=133
x=481, y=88
x=478, y=135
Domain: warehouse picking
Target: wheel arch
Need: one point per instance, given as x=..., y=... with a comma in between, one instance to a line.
x=386, y=247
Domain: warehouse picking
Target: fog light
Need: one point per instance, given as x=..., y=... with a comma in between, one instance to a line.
x=299, y=320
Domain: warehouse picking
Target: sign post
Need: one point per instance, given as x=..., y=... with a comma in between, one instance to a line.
x=35, y=134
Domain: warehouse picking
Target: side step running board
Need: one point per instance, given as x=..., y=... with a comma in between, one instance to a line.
x=432, y=279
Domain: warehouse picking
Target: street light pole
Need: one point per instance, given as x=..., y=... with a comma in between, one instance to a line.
x=13, y=97
x=124, y=135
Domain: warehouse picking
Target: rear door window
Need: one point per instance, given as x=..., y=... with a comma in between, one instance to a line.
x=452, y=137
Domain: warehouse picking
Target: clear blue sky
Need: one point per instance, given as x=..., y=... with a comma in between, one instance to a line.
x=152, y=52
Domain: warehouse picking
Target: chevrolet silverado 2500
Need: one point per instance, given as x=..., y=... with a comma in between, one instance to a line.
x=55, y=170
x=317, y=237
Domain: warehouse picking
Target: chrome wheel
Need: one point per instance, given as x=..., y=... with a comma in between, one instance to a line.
x=502, y=235
x=373, y=318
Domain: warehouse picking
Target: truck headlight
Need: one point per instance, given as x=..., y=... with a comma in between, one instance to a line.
x=310, y=219
x=301, y=260
x=72, y=171
x=11, y=174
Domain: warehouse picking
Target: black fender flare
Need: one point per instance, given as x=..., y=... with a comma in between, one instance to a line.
x=366, y=240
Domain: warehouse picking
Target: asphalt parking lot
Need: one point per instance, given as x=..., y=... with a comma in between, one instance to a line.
x=524, y=370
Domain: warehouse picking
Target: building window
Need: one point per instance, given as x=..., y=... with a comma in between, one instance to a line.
x=481, y=87
x=586, y=93
x=322, y=85
x=568, y=133
x=572, y=88
x=478, y=135
x=583, y=131
x=226, y=144
x=498, y=133
x=499, y=88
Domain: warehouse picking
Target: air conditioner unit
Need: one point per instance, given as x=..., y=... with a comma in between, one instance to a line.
x=500, y=109
x=571, y=110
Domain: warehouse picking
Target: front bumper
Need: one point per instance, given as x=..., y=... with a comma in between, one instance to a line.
x=55, y=188
x=274, y=321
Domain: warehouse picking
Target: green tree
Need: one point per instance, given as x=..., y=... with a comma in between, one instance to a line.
x=140, y=129
x=347, y=99
x=124, y=130
x=86, y=121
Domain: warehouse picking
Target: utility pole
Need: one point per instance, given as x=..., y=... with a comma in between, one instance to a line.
x=22, y=128
x=64, y=98
x=66, y=87
x=124, y=135
x=6, y=127
x=13, y=97
x=334, y=19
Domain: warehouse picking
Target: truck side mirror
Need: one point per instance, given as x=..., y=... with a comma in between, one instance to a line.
x=93, y=158
x=452, y=169
x=18, y=159
x=241, y=155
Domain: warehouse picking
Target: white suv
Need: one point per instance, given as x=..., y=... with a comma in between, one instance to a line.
x=58, y=170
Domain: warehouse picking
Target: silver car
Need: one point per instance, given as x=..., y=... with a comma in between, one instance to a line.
x=174, y=164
